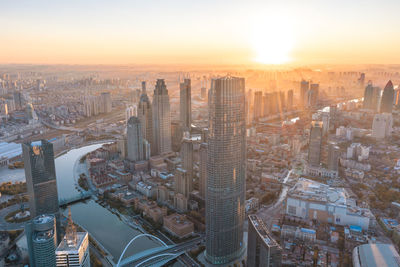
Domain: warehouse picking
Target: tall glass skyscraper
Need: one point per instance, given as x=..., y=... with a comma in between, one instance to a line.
x=226, y=170
x=387, y=98
x=314, y=149
x=186, y=104
x=161, y=119
x=145, y=116
x=40, y=173
x=134, y=139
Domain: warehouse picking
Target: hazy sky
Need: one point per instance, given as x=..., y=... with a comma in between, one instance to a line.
x=201, y=32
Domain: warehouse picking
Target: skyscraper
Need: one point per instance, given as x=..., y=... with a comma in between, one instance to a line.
x=40, y=176
x=182, y=182
x=41, y=236
x=387, y=98
x=226, y=170
x=187, y=160
x=186, y=105
x=262, y=249
x=161, y=119
x=266, y=105
x=371, y=97
x=314, y=149
x=73, y=250
x=106, y=102
x=134, y=139
x=203, y=169
x=145, y=116
x=333, y=157
x=382, y=125
x=258, y=105
x=304, y=86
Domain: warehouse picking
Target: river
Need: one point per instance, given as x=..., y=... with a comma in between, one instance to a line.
x=103, y=225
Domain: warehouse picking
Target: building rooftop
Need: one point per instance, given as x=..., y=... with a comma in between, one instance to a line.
x=68, y=247
x=262, y=230
x=374, y=255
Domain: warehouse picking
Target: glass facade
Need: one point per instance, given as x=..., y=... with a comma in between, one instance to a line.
x=226, y=170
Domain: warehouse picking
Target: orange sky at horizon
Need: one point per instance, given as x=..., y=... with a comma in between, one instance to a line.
x=257, y=32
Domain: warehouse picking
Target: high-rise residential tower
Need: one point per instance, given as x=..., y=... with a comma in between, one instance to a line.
x=187, y=159
x=134, y=139
x=186, y=105
x=41, y=236
x=333, y=157
x=290, y=99
x=304, y=86
x=106, y=102
x=387, y=98
x=258, y=105
x=314, y=149
x=40, y=173
x=226, y=170
x=145, y=116
x=161, y=119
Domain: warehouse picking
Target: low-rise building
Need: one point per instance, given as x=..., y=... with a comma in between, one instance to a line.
x=178, y=225
x=310, y=200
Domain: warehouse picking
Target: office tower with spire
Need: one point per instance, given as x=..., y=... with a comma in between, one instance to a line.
x=314, y=149
x=134, y=139
x=145, y=116
x=40, y=174
x=41, y=236
x=161, y=119
x=226, y=171
x=185, y=111
x=73, y=250
x=387, y=98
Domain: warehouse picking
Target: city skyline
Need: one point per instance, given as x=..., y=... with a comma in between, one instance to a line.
x=125, y=32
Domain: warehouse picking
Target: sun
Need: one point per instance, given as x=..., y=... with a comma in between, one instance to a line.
x=272, y=40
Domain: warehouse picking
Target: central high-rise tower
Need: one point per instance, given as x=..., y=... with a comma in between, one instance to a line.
x=226, y=170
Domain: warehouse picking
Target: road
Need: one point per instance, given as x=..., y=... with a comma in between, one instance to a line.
x=11, y=226
x=272, y=213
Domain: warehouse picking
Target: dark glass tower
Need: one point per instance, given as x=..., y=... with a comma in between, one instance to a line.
x=40, y=174
x=226, y=171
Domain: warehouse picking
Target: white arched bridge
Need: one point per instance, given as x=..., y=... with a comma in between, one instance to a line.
x=156, y=256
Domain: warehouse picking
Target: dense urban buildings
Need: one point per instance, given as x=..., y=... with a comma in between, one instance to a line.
x=226, y=170
x=161, y=119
